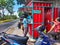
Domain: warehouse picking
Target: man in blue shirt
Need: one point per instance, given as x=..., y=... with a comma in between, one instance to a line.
x=25, y=24
x=26, y=21
x=29, y=17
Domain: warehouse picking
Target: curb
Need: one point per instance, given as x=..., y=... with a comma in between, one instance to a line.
x=8, y=22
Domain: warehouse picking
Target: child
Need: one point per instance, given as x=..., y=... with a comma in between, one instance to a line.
x=55, y=28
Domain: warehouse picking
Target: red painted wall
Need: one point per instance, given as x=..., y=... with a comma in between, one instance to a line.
x=48, y=18
x=56, y=12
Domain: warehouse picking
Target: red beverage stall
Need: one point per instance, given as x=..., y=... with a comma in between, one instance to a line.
x=42, y=13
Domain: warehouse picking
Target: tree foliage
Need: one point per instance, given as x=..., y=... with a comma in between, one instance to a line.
x=10, y=4
x=20, y=13
x=20, y=2
x=3, y=2
x=9, y=17
x=7, y=4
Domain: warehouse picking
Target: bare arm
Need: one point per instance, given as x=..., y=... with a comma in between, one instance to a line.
x=51, y=28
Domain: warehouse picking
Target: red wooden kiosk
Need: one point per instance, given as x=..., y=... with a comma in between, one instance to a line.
x=43, y=13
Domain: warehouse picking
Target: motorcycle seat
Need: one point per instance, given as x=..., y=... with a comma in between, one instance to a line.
x=19, y=39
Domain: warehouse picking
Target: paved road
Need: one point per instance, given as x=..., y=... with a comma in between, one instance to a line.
x=4, y=26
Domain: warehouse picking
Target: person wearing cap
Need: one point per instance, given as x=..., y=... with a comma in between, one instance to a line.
x=25, y=23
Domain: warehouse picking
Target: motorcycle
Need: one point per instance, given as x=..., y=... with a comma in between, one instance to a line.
x=43, y=39
x=13, y=39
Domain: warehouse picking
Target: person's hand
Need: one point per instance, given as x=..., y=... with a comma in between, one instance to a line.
x=48, y=32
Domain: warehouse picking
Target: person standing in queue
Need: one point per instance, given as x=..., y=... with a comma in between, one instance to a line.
x=25, y=23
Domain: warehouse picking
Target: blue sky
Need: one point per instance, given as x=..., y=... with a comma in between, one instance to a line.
x=16, y=6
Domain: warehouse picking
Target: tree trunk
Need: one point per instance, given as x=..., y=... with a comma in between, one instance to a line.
x=3, y=13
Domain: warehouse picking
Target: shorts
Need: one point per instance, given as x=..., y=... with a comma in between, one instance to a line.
x=25, y=31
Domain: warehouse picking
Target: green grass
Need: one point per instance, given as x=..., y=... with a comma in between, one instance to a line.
x=4, y=21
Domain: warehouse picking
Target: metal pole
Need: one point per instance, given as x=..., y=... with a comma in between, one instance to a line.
x=43, y=16
x=33, y=20
x=52, y=14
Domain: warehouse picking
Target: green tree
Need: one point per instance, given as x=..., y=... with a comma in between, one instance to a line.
x=3, y=4
x=7, y=4
x=14, y=16
x=20, y=13
x=9, y=7
x=20, y=2
x=10, y=17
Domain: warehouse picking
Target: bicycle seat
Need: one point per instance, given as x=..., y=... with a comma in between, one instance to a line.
x=17, y=38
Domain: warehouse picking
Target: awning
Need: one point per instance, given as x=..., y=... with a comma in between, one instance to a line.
x=29, y=4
